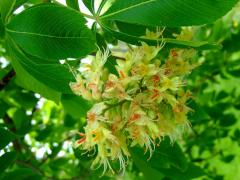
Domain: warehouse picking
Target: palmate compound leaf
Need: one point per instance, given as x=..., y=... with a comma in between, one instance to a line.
x=170, y=13
x=52, y=32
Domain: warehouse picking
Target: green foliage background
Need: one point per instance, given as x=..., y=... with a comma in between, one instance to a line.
x=38, y=112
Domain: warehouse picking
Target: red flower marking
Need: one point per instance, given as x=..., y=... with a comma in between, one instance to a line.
x=109, y=85
x=92, y=85
x=122, y=75
x=91, y=116
x=174, y=53
x=135, y=133
x=134, y=71
x=155, y=94
x=156, y=79
x=134, y=117
x=81, y=140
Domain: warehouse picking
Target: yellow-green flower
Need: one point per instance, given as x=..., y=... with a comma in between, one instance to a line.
x=138, y=107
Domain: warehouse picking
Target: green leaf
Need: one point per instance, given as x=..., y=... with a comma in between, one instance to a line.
x=170, y=13
x=103, y=2
x=191, y=172
x=227, y=120
x=24, y=99
x=69, y=121
x=21, y=121
x=90, y=5
x=44, y=133
x=21, y=174
x=19, y=3
x=168, y=160
x=148, y=171
x=26, y=80
x=6, y=7
x=2, y=30
x=173, y=153
x=6, y=160
x=5, y=137
x=170, y=43
x=140, y=30
x=73, y=4
x=63, y=33
x=55, y=76
x=4, y=107
x=76, y=106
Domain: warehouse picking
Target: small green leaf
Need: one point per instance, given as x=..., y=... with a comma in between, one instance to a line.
x=21, y=174
x=227, y=120
x=63, y=33
x=4, y=107
x=6, y=160
x=24, y=99
x=5, y=137
x=44, y=133
x=21, y=121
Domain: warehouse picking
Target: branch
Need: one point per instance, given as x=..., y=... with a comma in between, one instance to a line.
x=6, y=79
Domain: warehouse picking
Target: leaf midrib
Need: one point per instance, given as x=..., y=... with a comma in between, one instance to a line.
x=128, y=8
x=45, y=35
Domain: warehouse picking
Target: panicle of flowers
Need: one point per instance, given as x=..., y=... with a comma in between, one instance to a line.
x=139, y=106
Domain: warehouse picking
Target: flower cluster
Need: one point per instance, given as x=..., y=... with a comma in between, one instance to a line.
x=138, y=106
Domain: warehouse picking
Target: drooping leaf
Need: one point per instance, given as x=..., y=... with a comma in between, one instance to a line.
x=169, y=13
x=52, y=31
x=140, y=30
x=170, y=43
